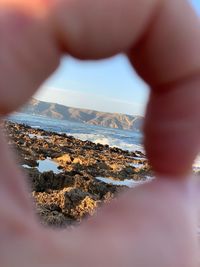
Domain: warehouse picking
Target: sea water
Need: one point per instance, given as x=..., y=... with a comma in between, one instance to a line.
x=126, y=140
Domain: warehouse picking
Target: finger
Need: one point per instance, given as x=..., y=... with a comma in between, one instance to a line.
x=28, y=53
x=93, y=29
x=16, y=207
x=167, y=57
x=165, y=52
x=31, y=43
x=172, y=128
x=29, y=50
x=139, y=230
x=24, y=64
x=12, y=185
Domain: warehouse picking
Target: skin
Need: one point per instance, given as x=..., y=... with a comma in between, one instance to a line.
x=155, y=224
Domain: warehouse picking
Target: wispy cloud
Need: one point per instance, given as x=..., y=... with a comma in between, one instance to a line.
x=92, y=101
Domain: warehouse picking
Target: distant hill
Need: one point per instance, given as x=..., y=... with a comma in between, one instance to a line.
x=57, y=111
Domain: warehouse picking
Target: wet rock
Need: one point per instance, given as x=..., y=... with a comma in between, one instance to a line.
x=64, y=159
x=79, y=204
x=100, y=189
x=42, y=182
x=52, y=218
x=72, y=195
x=108, y=197
x=33, y=175
x=31, y=162
x=73, y=203
x=78, y=161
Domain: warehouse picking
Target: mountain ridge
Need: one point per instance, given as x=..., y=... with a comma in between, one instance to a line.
x=86, y=116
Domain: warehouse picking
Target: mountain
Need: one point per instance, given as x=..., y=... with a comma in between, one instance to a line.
x=57, y=111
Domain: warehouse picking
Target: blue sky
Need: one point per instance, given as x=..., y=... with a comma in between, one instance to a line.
x=108, y=85
x=196, y=4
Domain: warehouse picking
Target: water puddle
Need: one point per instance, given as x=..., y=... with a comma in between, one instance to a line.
x=128, y=183
x=26, y=166
x=138, y=158
x=136, y=165
x=45, y=166
x=48, y=165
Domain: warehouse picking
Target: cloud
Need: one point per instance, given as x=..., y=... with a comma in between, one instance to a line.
x=79, y=99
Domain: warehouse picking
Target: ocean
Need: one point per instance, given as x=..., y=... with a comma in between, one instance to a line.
x=126, y=140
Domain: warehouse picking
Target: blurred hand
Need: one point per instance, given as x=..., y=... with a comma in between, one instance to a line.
x=153, y=225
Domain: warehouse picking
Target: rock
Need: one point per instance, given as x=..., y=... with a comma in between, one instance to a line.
x=108, y=197
x=100, y=189
x=115, y=167
x=52, y=218
x=70, y=196
x=78, y=161
x=64, y=159
x=79, y=204
x=30, y=162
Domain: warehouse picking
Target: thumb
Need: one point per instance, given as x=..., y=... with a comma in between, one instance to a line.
x=168, y=58
x=172, y=128
x=14, y=200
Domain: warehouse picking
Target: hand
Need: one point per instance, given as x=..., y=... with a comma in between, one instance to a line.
x=155, y=224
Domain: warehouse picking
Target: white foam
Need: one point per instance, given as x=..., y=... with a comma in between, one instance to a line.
x=112, y=142
x=128, y=183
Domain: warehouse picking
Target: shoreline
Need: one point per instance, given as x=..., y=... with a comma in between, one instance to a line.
x=69, y=178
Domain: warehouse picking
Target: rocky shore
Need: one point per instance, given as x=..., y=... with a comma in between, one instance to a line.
x=69, y=178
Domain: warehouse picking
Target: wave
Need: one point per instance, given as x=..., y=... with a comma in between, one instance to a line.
x=126, y=140
x=106, y=140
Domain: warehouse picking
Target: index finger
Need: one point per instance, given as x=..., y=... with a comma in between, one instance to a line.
x=163, y=46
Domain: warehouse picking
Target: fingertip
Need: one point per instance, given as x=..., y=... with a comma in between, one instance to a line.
x=172, y=127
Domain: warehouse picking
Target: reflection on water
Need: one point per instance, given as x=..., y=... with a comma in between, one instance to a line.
x=128, y=183
x=136, y=165
x=45, y=166
x=48, y=165
x=26, y=166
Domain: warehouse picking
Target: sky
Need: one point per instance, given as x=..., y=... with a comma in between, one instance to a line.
x=109, y=85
